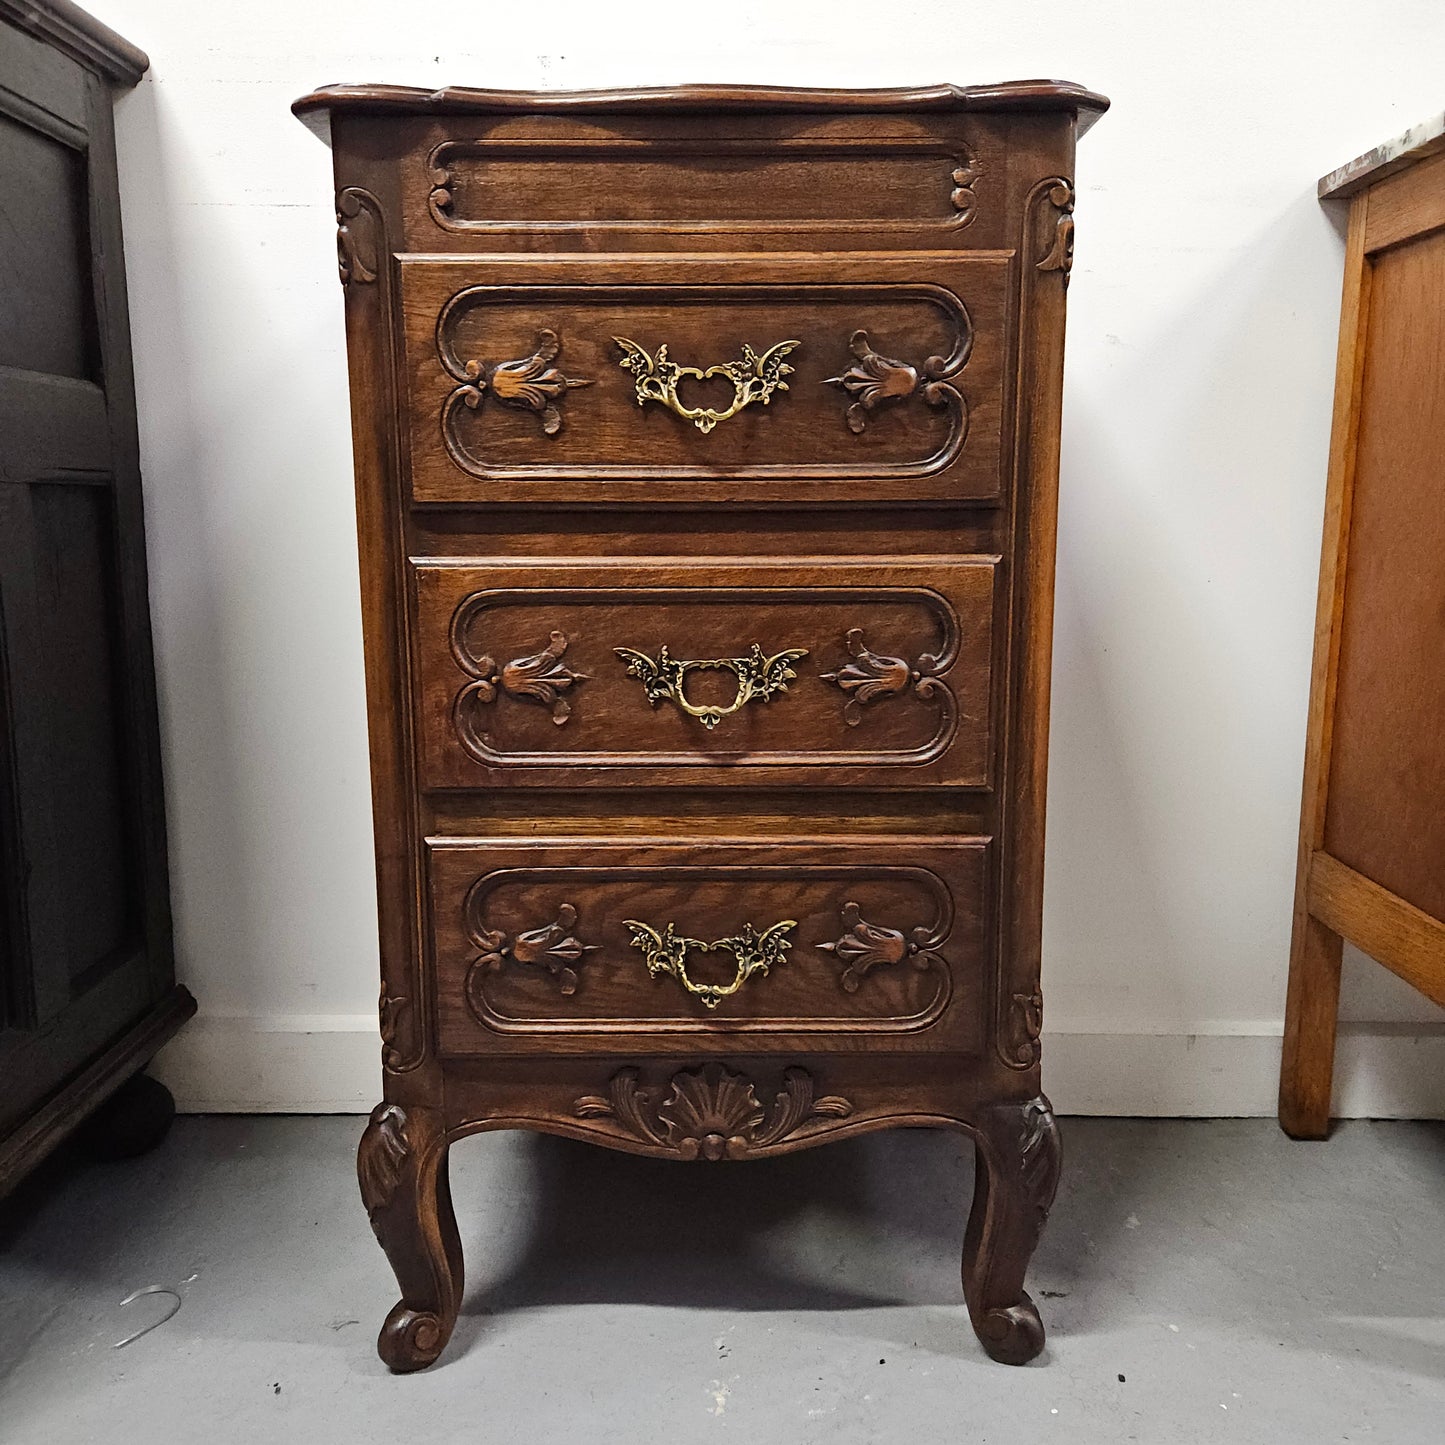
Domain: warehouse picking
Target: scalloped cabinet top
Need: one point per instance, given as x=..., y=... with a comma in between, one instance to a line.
x=1013, y=95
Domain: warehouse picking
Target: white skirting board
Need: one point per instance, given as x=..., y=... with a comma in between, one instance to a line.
x=331, y=1065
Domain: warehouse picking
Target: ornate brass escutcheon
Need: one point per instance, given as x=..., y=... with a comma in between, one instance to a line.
x=666, y=952
x=761, y=678
x=754, y=378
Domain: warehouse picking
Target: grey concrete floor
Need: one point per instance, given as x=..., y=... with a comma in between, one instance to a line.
x=1202, y=1281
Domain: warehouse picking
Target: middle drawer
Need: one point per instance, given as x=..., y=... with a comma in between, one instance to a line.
x=874, y=672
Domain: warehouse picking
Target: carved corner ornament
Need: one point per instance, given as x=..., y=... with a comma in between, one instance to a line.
x=1059, y=247
x=711, y=1113
x=865, y=946
x=390, y=1008
x=553, y=948
x=380, y=1158
x=875, y=380
x=874, y=676
x=530, y=383
x=1039, y=1157
x=965, y=203
x=439, y=200
x=541, y=677
x=1025, y=1024
x=358, y=235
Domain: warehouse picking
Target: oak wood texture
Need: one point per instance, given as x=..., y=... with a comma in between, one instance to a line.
x=1371, y=862
x=535, y=951
x=521, y=682
x=1406, y=939
x=706, y=453
x=87, y=987
x=939, y=440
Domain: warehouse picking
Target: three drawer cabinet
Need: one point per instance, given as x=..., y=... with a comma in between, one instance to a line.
x=706, y=463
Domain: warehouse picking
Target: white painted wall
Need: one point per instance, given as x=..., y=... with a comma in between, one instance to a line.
x=1200, y=358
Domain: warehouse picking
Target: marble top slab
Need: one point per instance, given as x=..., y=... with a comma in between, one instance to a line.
x=1417, y=143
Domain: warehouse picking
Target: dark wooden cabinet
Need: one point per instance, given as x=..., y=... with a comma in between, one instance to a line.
x=706, y=461
x=87, y=992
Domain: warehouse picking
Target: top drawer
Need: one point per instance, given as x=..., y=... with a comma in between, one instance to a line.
x=752, y=379
x=716, y=181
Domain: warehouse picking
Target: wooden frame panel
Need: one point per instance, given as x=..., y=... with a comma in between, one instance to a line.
x=1333, y=901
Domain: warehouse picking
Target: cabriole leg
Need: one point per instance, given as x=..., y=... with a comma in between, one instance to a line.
x=402, y=1169
x=1016, y=1171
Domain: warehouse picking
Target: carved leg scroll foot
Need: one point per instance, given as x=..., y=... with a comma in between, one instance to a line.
x=1016, y=1172
x=402, y=1169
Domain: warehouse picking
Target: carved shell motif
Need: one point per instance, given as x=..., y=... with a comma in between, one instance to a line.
x=711, y=1113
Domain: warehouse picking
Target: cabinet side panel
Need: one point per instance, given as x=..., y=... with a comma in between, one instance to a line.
x=365, y=206
x=1384, y=816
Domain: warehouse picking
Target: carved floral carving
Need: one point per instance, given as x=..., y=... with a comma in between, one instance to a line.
x=874, y=676
x=358, y=227
x=711, y=1113
x=390, y=1008
x=1026, y=1021
x=530, y=383
x=552, y=947
x=865, y=946
x=439, y=200
x=1059, y=254
x=964, y=201
x=1039, y=1157
x=875, y=380
x=381, y=1157
x=541, y=677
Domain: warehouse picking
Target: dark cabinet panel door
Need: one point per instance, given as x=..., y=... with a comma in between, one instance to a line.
x=85, y=943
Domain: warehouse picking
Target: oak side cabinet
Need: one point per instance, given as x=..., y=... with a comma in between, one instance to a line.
x=706, y=450
x=1371, y=861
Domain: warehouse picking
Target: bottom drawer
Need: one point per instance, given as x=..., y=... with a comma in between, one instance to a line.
x=578, y=945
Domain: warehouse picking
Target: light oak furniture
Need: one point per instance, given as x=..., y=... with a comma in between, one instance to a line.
x=87, y=981
x=1372, y=823
x=706, y=457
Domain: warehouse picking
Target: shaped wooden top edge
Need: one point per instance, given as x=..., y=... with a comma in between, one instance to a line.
x=1034, y=95
x=80, y=35
x=1418, y=143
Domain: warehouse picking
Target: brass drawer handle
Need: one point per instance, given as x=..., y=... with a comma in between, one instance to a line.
x=759, y=677
x=754, y=378
x=666, y=952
